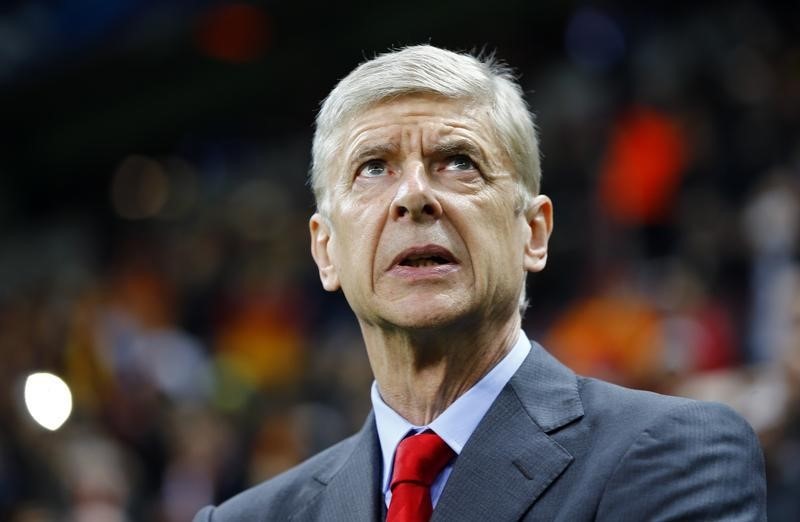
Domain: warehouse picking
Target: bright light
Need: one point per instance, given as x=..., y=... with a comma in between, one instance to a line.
x=48, y=400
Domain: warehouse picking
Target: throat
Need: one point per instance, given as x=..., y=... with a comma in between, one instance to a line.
x=421, y=372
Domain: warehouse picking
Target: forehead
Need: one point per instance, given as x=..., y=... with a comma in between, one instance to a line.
x=438, y=116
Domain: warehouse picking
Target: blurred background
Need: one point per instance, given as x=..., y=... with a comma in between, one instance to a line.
x=164, y=340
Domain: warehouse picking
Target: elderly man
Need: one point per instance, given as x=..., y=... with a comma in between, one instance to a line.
x=426, y=175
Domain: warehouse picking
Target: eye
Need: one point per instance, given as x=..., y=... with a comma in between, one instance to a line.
x=373, y=168
x=460, y=162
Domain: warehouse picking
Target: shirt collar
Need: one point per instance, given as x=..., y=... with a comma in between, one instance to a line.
x=455, y=424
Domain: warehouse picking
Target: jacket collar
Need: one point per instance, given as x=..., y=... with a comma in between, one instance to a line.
x=510, y=459
x=352, y=482
x=505, y=466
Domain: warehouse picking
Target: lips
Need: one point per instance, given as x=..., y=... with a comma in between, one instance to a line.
x=423, y=257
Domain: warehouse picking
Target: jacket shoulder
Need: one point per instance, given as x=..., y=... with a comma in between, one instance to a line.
x=675, y=458
x=622, y=417
x=619, y=404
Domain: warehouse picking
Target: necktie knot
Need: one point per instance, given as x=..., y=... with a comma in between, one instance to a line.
x=417, y=461
x=420, y=458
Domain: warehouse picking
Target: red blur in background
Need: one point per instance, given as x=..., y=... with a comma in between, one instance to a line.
x=237, y=32
x=643, y=167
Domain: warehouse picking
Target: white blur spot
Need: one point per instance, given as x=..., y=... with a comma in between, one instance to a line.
x=48, y=400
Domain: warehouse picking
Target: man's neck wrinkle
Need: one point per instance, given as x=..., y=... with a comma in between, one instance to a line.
x=420, y=381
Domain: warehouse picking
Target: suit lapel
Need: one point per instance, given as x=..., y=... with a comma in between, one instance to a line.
x=510, y=459
x=352, y=489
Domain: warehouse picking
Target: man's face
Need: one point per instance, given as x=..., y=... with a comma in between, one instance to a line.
x=424, y=227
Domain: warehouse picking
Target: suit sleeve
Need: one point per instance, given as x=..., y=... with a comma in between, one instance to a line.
x=699, y=461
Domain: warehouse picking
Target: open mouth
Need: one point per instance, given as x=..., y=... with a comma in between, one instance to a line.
x=425, y=256
x=423, y=261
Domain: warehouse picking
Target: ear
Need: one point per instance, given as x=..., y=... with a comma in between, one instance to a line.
x=539, y=217
x=320, y=250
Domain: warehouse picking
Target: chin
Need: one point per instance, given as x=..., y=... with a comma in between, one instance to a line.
x=427, y=316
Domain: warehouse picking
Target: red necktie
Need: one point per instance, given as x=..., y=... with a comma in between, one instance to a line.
x=417, y=462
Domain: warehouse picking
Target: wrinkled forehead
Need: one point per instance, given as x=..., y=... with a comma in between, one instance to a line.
x=434, y=111
x=427, y=122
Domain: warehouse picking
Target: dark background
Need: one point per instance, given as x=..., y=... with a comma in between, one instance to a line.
x=153, y=236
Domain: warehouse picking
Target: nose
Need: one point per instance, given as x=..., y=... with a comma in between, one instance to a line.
x=415, y=198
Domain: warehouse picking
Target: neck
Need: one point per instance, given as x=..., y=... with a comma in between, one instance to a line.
x=420, y=373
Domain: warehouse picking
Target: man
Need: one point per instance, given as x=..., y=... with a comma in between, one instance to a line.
x=426, y=174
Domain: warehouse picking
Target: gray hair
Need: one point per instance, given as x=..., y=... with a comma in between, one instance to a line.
x=424, y=69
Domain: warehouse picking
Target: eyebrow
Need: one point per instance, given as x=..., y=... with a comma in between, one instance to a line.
x=449, y=148
x=371, y=152
x=446, y=148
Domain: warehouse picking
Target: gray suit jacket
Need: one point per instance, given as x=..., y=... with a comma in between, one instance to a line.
x=553, y=447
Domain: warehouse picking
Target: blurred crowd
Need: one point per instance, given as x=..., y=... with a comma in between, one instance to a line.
x=203, y=356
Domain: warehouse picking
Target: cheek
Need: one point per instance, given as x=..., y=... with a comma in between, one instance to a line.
x=363, y=206
x=495, y=216
x=497, y=237
x=357, y=231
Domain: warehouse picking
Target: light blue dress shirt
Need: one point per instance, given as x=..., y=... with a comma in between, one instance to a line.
x=455, y=424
